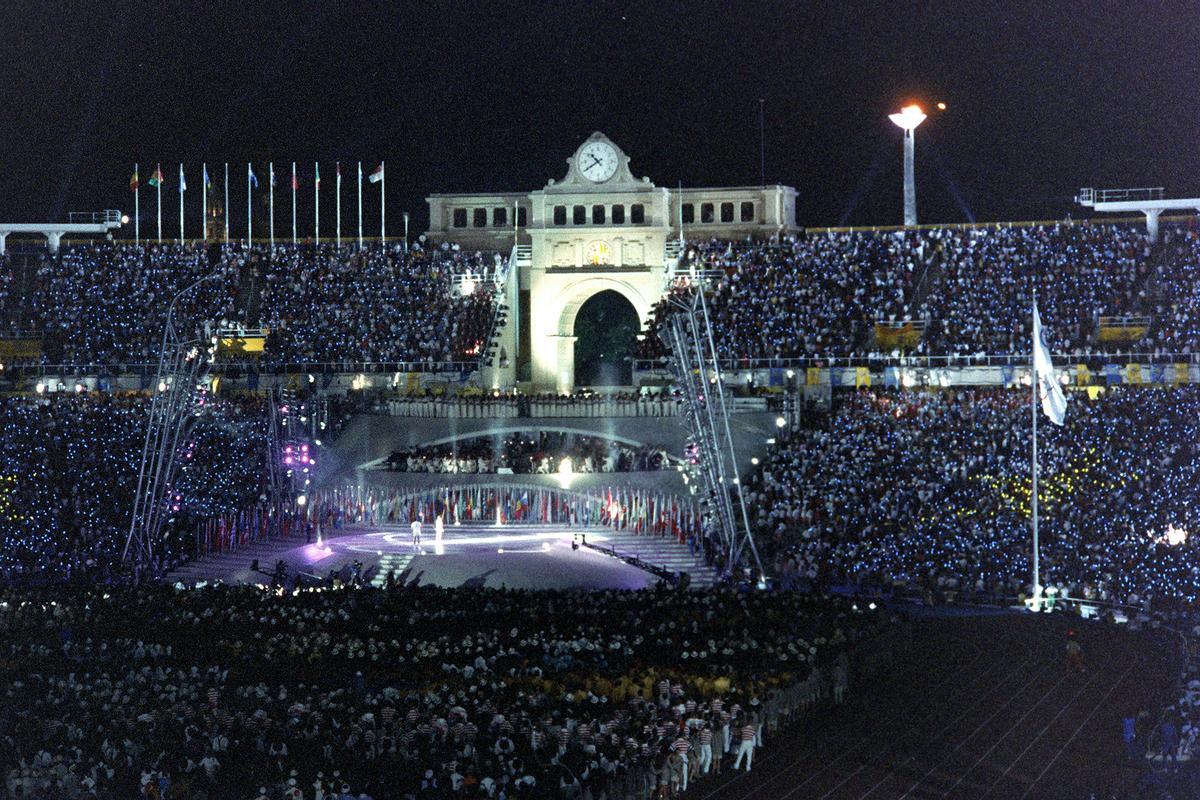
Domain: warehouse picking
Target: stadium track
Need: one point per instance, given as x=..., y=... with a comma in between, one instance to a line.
x=979, y=707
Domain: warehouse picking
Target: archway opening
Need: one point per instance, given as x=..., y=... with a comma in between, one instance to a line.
x=606, y=330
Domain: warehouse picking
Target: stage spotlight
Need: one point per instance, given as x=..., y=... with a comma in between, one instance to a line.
x=302, y=500
x=780, y=422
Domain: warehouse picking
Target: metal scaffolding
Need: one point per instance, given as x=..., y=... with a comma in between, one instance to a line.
x=697, y=373
x=183, y=363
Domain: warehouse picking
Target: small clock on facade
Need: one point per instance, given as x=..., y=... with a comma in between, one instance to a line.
x=597, y=161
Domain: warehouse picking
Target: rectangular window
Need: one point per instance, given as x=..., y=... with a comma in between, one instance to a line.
x=637, y=214
x=689, y=213
x=560, y=215
x=726, y=212
x=500, y=217
x=479, y=217
x=597, y=215
x=460, y=218
x=747, y=211
x=579, y=215
x=618, y=215
x=522, y=216
x=706, y=212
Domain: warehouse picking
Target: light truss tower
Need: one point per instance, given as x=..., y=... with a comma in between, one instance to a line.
x=697, y=373
x=182, y=363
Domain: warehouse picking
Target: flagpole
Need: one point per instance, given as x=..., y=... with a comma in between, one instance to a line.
x=226, y=213
x=317, y=201
x=360, y=236
x=158, y=199
x=204, y=201
x=339, y=205
x=382, y=204
x=181, y=187
x=271, y=200
x=293, y=202
x=1037, y=594
x=137, y=211
x=249, y=207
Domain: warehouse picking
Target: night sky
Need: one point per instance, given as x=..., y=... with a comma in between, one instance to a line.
x=1042, y=98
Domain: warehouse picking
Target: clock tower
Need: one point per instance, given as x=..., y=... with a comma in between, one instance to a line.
x=598, y=228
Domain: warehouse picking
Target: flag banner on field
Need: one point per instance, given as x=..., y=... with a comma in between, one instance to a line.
x=901, y=336
x=253, y=177
x=1054, y=403
x=1112, y=374
x=207, y=181
x=377, y=175
x=1083, y=375
x=317, y=175
x=862, y=377
x=813, y=376
x=182, y=181
x=1158, y=373
x=133, y=182
x=775, y=377
x=1181, y=374
x=1133, y=373
x=891, y=377
x=156, y=177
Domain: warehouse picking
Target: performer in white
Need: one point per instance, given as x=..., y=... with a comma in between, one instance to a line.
x=437, y=530
x=416, y=532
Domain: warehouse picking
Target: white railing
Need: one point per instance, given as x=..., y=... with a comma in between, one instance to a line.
x=1091, y=196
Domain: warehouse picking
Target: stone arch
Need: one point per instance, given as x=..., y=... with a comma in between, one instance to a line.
x=555, y=308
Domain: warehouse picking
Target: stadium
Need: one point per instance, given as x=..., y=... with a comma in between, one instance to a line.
x=346, y=478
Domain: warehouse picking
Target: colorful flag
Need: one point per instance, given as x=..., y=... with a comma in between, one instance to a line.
x=207, y=181
x=253, y=177
x=156, y=178
x=295, y=182
x=377, y=175
x=317, y=174
x=182, y=182
x=133, y=182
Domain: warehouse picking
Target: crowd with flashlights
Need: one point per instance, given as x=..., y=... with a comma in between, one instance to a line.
x=534, y=452
x=410, y=692
x=68, y=472
x=105, y=304
x=966, y=292
x=931, y=491
x=325, y=305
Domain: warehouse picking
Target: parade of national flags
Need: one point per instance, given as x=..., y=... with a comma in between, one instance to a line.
x=157, y=181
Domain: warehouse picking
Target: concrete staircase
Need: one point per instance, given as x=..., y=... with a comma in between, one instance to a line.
x=661, y=551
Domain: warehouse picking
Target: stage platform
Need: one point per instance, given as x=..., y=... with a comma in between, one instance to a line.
x=513, y=556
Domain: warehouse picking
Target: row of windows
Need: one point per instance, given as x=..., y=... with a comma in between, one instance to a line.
x=707, y=212
x=600, y=216
x=479, y=217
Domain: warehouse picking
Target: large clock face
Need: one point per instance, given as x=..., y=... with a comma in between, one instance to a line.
x=597, y=161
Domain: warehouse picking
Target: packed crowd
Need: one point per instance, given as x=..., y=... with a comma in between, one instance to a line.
x=535, y=452
x=325, y=305
x=105, y=304
x=68, y=472
x=932, y=490
x=408, y=692
x=969, y=290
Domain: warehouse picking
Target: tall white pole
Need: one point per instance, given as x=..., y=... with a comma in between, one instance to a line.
x=910, y=181
x=226, y=214
x=317, y=201
x=1037, y=593
x=158, y=198
x=181, y=187
x=137, y=211
x=249, y=208
x=339, y=205
x=271, y=200
x=293, y=202
x=204, y=201
x=360, y=235
x=382, y=204
x=406, y=231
